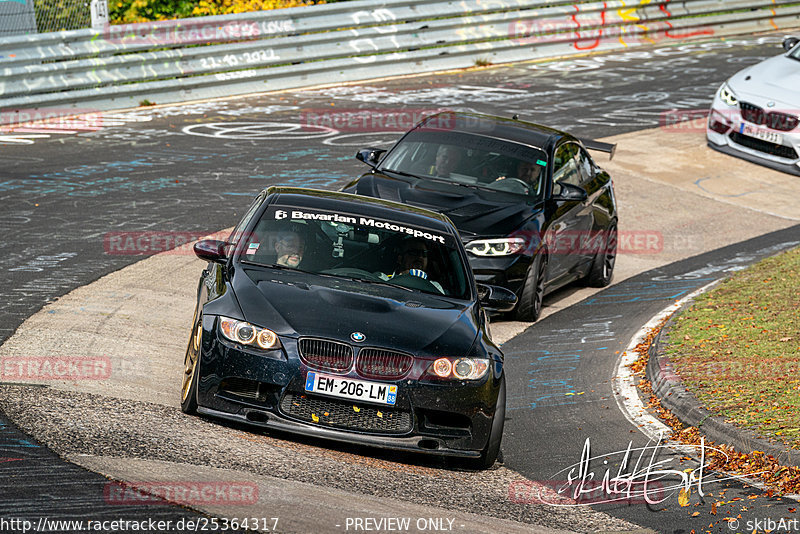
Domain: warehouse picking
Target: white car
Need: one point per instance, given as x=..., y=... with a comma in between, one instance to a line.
x=756, y=113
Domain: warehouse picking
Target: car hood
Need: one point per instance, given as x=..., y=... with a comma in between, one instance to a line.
x=298, y=304
x=474, y=211
x=774, y=79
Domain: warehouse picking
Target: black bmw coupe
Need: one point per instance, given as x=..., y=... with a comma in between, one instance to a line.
x=534, y=210
x=352, y=319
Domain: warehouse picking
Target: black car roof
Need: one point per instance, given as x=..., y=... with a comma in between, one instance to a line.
x=515, y=130
x=368, y=206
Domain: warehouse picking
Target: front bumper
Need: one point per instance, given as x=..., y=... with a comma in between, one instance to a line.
x=504, y=271
x=735, y=151
x=724, y=133
x=266, y=389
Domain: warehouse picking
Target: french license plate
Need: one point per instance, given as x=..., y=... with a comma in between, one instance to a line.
x=761, y=133
x=347, y=388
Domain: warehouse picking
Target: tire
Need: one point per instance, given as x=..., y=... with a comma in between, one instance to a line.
x=529, y=307
x=491, y=451
x=603, y=265
x=191, y=366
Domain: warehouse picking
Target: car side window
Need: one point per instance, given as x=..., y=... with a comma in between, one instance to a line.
x=585, y=166
x=566, y=165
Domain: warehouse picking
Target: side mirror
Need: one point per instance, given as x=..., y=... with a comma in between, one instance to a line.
x=564, y=191
x=496, y=299
x=211, y=250
x=790, y=42
x=370, y=156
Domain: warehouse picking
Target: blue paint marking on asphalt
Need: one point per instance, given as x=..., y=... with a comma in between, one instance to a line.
x=699, y=182
x=548, y=385
x=13, y=441
x=648, y=291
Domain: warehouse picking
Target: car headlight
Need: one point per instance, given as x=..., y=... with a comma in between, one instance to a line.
x=248, y=334
x=459, y=368
x=727, y=96
x=496, y=247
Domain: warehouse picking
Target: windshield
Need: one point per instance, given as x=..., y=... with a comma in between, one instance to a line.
x=353, y=246
x=470, y=160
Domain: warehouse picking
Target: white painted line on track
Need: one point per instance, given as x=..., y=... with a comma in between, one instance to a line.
x=26, y=139
x=627, y=395
x=624, y=387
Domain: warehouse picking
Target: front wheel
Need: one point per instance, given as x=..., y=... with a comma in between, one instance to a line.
x=191, y=365
x=529, y=307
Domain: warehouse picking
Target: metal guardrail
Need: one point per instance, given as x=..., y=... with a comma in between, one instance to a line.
x=207, y=57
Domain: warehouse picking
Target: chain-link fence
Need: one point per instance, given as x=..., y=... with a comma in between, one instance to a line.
x=20, y=17
x=57, y=15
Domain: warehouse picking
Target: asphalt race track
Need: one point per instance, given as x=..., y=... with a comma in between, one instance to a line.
x=191, y=170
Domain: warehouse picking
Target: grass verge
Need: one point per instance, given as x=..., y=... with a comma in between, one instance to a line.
x=737, y=348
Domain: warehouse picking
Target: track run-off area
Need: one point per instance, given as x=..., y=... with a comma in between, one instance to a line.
x=75, y=286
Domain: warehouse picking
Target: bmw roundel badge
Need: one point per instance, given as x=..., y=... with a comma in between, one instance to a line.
x=358, y=337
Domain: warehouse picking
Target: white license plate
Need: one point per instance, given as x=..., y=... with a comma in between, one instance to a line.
x=761, y=133
x=347, y=388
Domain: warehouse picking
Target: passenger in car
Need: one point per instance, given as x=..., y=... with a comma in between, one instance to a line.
x=447, y=159
x=289, y=247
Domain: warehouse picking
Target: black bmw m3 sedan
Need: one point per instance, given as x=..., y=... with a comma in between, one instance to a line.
x=533, y=209
x=351, y=319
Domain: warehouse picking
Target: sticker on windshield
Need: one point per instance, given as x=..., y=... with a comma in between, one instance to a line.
x=357, y=221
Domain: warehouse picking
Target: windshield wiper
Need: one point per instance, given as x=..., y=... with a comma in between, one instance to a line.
x=462, y=184
x=276, y=266
x=401, y=173
x=367, y=280
x=437, y=179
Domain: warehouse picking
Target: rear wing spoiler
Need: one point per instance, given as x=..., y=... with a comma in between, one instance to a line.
x=591, y=144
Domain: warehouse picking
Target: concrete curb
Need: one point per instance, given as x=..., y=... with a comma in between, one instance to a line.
x=674, y=396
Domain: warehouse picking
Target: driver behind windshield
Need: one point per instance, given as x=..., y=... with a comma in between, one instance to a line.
x=412, y=259
x=528, y=173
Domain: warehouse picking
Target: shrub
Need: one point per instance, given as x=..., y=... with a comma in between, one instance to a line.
x=130, y=11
